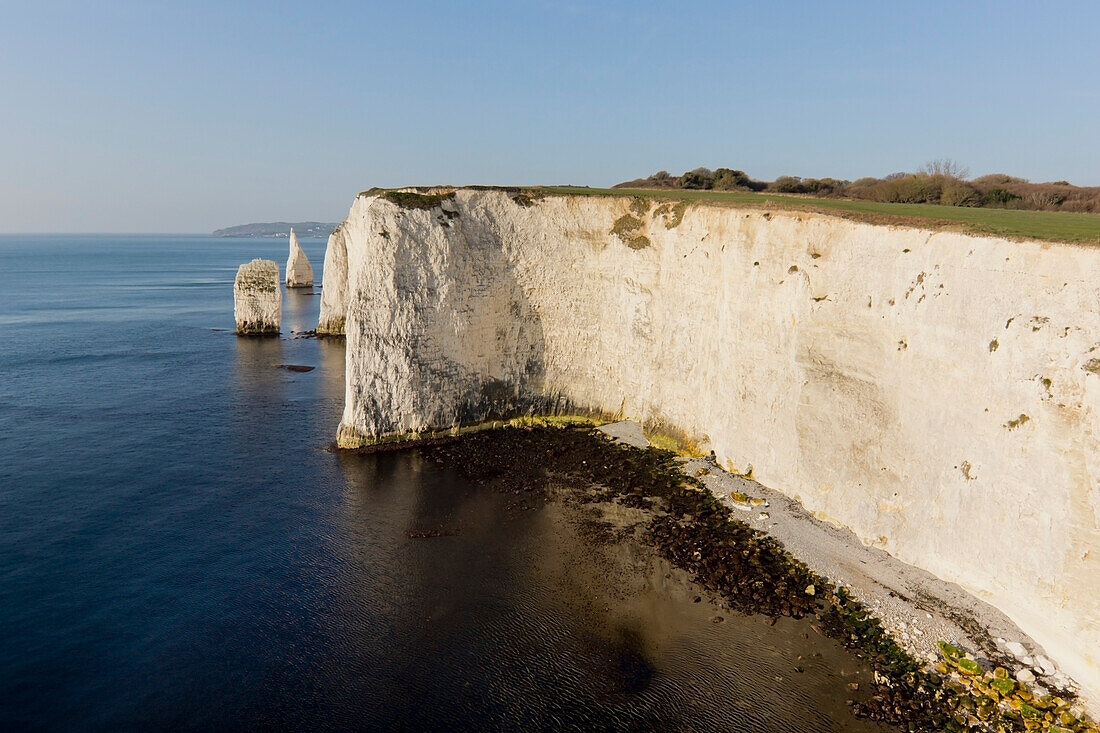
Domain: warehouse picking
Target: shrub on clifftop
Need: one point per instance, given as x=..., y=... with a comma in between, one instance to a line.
x=942, y=182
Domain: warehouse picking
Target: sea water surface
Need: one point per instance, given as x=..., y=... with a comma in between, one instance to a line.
x=180, y=549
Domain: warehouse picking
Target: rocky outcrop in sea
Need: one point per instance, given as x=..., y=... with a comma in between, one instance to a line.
x=257, y=299
x=299, y=273
x=334, y=286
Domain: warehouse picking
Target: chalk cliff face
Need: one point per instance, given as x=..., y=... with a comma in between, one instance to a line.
x=299, y=273
x=257, y=299
x=334, y=285
x=935, y=392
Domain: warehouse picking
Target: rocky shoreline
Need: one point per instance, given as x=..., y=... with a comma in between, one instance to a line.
x=942, y=668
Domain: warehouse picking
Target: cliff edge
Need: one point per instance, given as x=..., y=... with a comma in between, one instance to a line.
x=938, y=393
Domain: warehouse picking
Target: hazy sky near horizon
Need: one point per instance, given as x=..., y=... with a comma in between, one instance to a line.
x=188, y=116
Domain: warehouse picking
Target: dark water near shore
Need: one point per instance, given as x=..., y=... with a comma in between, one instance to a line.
x=178, y=549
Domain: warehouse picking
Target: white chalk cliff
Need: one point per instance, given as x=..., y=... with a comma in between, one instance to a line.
x=299, y=273
x=334, y=285
x=257, y=299
x=938, y=393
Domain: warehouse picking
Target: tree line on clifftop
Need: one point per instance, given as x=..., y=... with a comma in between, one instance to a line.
x=937, y=182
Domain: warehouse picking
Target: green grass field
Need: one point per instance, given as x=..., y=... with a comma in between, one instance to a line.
x=1056, y=226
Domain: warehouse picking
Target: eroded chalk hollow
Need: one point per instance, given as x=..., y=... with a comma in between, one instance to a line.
x=257, y=299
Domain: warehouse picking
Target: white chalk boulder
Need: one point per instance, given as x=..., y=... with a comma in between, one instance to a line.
x=257, y=299
x=299, y=273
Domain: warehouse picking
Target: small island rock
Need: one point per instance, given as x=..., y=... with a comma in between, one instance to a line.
x=257, y=299
x=299, y=273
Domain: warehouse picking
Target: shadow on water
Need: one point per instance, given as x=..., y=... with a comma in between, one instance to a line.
x=513, y=616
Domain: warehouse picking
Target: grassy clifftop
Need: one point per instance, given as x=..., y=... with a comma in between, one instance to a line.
x=1051, y=226
x=1054, y=226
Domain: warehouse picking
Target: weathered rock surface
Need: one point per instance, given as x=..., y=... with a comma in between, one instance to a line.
x=257, y=299
x=299, y=273
x=929, y=390
x=334, y=285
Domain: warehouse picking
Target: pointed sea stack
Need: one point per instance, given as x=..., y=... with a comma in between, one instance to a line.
x=257, y=299
x=299, y=273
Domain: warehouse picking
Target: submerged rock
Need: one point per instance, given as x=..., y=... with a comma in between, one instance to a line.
x=299, y=273
x=257, y=299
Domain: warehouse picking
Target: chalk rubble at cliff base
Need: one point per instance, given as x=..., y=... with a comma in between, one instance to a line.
x=257, y=299
x=931, y=391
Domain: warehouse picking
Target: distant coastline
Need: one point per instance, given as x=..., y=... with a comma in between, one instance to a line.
x=277, y=229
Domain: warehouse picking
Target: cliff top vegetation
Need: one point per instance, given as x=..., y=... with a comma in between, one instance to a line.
x=942, y=182
x=1053, y=226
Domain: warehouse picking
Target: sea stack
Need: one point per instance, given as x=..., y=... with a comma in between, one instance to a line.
x=334, y=286
x=257, y=299
x=299, y=273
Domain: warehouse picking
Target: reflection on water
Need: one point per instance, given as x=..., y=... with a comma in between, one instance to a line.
x=299, y=310
x=512, y=617
x=255, y=364
x=260, y=389
x=331, y=352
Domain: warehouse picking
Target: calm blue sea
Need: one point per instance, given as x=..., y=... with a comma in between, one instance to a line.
x=178, y=549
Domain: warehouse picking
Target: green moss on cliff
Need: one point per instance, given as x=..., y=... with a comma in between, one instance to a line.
x=626, y=225
x=411, y=200
x=678, y=210
x=332, y=327
x=348, y=439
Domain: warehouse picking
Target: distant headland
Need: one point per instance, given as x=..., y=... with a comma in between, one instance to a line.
x=277, y=229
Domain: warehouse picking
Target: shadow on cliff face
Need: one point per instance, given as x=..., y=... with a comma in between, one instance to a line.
x=514, y=329
x=488, y=335
x=442, y=332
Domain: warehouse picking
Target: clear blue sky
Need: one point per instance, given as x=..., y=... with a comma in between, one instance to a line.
x=186, y=116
